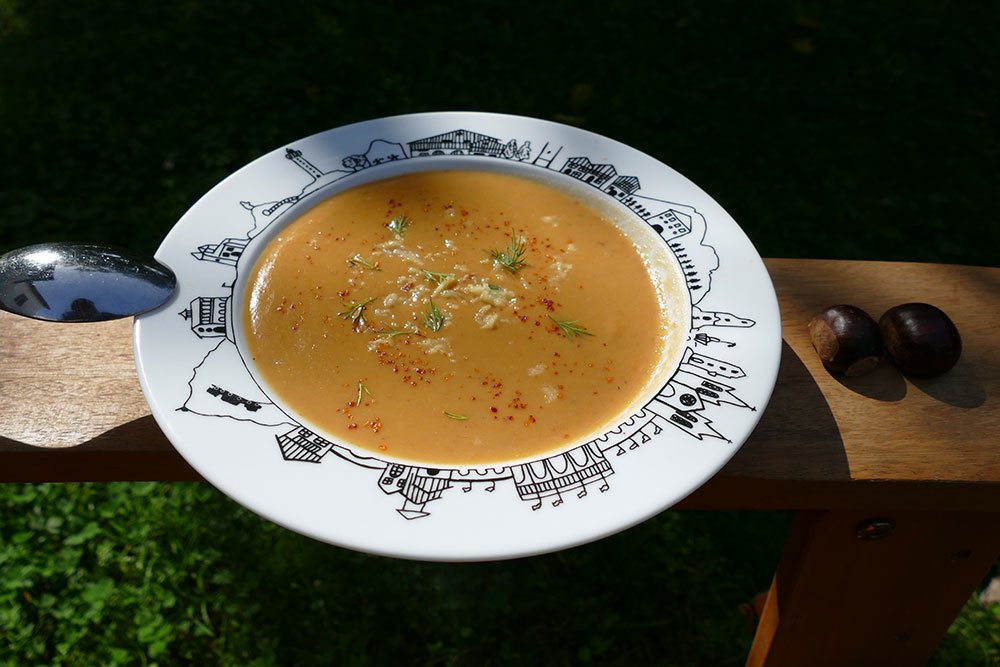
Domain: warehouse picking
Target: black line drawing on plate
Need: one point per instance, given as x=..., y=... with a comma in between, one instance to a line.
x=703, y=385
x=705, y=339
x=233, y=399
x=212, y=380
x=208, y=316
x=227, y=251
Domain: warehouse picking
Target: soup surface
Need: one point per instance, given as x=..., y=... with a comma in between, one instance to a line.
x=458, y=318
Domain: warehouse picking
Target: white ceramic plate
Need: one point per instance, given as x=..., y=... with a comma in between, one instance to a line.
x=208, y=404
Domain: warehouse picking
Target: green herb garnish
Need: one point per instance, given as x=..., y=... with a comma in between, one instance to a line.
x=362, y=389
x=358, y=261
x=436, y=277
x=512, y=257
x=392, y=332
x=570, y=328
x=432, y=317
x=452, y=415
x=355, y=311
x=399, y=224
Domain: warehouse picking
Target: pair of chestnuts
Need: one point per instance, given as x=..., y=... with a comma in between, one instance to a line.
x=920, y=338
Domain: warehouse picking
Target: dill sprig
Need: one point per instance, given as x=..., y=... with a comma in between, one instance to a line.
x=436, y=277
x=399, y=224
x=452, y=415
x=362, y=389
x=432, y=317
x=355, y=311
x=392, y=332
x=512, y=257
x=357, y=260
x=570, y=328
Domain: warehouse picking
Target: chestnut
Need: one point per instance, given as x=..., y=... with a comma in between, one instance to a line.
x=921, y=339
x=846, y=339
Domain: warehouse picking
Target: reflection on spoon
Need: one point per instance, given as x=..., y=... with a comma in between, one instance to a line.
x=81, y=282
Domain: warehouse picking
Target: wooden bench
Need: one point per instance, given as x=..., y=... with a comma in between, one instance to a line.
x=896, y=482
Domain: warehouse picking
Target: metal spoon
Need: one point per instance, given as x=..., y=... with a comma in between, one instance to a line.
x=81, y=282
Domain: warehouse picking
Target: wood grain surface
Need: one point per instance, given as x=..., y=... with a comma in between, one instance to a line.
x=72, y=408
x=837, y=600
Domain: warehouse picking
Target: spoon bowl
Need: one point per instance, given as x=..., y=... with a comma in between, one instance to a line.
x=81, y=282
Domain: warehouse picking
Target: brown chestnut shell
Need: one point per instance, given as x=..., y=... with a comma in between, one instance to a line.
x=921, y=339
x=846, y=338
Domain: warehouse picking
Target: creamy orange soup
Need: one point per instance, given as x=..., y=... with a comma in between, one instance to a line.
x=457, y=318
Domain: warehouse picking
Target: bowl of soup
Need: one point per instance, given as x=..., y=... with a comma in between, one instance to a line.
x=461, y=317
x=465, y=318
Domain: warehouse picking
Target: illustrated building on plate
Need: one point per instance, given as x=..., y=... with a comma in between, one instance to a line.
x=457, y=142
x=226, y=252
x=606, y=178
x=301, y=444
x=555, y=475
x=208, y=316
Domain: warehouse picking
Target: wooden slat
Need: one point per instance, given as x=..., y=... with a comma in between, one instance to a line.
x=882, y=440
x=838, y=600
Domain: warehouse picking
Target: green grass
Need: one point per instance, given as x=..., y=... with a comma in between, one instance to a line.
x=974, y=637
x=177, y=574
x=157, y=573
x=827, y=129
